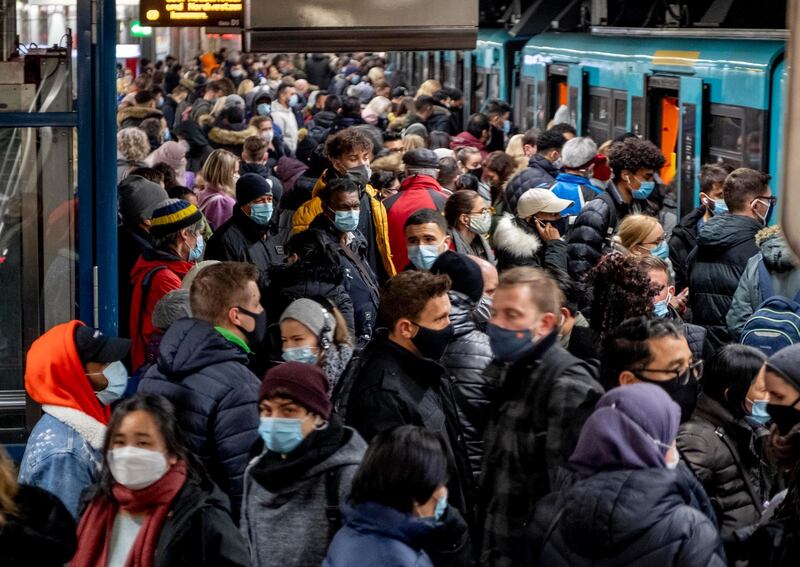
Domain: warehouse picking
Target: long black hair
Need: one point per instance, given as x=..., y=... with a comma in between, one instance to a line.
x=163, y=413
x=402, y=466
x=733, y=369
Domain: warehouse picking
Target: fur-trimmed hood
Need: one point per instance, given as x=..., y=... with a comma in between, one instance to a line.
x=225, y=137
x=512, y=236
x=137, y=113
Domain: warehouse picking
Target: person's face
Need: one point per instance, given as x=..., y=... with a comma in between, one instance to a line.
x=761, y=204
x=350, y=159
x=666, y=353
x=497, y=121
x=94, y=372
x=659, y=282
x=285, y=408
x=435, y=316
x=546, y=217
x=274, y=74
x=188, y=241
x=634, y=180
x=319, y=102
x=653, y=239
x=266, y=130
x=781, y=393
x=425, y=113
x=479, y=207
x=713, y=194
x=426, y=234
x=295, y=334
x=341, y=201
x=252, y=303
x=485, y=135
x=457, y=103
x=490, y=281
x=394, y=146
x=427, y=509
x=472, y=163
x=263, y=200
x=287, y=94
x=490, y=178
x=513, y=309
x=757, y=391
x=528, y=150
x=139, y=429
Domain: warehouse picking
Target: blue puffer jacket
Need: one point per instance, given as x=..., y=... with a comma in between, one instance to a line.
x=215, y=398
x=376, y=535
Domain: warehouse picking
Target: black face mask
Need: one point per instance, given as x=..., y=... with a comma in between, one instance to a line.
x=784, y=417
x=256, y=336
x=359, y=175
x=685, y=395
x=432, y=344
x=478, y=173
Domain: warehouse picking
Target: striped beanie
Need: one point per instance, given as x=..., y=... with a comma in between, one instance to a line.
x=172, y=215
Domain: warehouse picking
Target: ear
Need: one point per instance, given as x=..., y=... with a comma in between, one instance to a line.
x=671, y=290
x=233, y=316
x=548, y=323
x=447, y=240
x=725, y=393
x=565, y=314
x=626, y=378
x=405, y=328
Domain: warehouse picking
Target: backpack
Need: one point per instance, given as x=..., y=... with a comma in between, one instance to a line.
x=776, y=322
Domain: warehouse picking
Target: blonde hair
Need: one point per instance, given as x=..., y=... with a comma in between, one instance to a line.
x=428, y=88
x=413, y=142
x=514, y=149
x=545, y=293
x=218, y=170
x=8, y=487
x=633, y=230
x=245, y=87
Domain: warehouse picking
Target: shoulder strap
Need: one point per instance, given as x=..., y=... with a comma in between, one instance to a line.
x=550, y=529
x=147, y=282
x=366, y=273
x=765, y=281
x=332, y=511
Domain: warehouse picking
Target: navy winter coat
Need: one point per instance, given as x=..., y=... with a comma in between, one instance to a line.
x=540, y=171
x=215, y=398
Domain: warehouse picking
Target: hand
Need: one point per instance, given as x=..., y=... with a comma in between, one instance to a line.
x=547, y=231
x=680, y=301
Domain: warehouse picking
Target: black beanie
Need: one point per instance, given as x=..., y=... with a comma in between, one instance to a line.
x=465, y=274
x=786, y=364
x=250, y=187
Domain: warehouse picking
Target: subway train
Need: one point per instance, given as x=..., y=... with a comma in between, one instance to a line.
x=700, y=95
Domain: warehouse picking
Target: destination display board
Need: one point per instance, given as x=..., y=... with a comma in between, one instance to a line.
x=189, y=13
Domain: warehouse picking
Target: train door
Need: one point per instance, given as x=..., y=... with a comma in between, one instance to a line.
x=663, y=117
x=557, y=94
x=693, y=122
x=776, y=148
x=468, y=84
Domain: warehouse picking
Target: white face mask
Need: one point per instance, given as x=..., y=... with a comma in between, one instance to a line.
x=136, y=468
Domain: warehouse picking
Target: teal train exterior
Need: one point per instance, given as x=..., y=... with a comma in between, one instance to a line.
x=699, y=97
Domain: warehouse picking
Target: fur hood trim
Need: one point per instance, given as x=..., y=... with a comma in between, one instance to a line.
x=135, y=112
x=512, y=238
x=767, y=234
x=90, y=429
x=231, y=137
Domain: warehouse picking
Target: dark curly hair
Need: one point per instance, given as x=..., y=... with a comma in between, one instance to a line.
x=634, y=154
x=621, y=289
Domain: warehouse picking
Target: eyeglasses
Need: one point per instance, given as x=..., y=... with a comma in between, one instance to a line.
x=771, y=199
x=693, y=372
x=483, y=211
x=656, y=243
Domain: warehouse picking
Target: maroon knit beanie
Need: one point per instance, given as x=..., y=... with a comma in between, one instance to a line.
x=303, y=383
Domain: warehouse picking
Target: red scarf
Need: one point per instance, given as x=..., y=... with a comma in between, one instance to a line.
x=94, y=530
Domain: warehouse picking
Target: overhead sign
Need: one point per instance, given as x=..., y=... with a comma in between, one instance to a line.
x=187, y=13
x=138, y=30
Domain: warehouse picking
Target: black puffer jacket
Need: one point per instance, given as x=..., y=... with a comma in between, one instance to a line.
x=724, y=246
x=516, y=244
x=215, y=398
x=465, y=359
x=540, y=171
x=623, y=518
x=719, y=449
x=682, y=242
x=593, y=227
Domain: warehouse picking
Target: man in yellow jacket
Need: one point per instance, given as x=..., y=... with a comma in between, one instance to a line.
x=349, y=151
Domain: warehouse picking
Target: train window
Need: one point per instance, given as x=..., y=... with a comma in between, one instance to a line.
x=494, y=85
x=598, y=108
x=620, y=113
x=530, y=109
x=725, y=133
x=539, y=119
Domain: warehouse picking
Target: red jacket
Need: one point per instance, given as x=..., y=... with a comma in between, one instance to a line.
x=465, y=139
x=416, y=192
x=161, y=283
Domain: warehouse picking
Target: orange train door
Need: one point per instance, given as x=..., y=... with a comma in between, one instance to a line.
x=670, y=122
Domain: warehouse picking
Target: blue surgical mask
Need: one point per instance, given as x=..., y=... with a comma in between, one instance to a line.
x=661, y=251
x=441, y=506
x=645, y=189
x=293, y=100
x=508, y=345
x=346, y=221
x=720, y=206
x=281, y=435
x=506, y=127
x=661, y=308
x=196, y=253
x=300, y=354
x=263, y=109
x=424, y=255
x=167, y=135
x=758, y=412
x=261, y=213
x=117, y=376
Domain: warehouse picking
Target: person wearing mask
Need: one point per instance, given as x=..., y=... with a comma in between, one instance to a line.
x=725, y=245
x=469, y=220
x=641, y=235
x=153, y=504
x=296, y=486
x=533, y=236
x=349, y=153
x=338, y=225
x=723, y=441
x=401, y=381
x=572, y=184
x=776, y=541
x=539, y=410
x=426, y=238
x=202, y=370
x=483, y=309
x=499, y=114
x=216, y=199
x=349, y=114
x=628, y=504
x=541, y=171
x=35, y=527
x=468, y=353
x=191, y=137
x=283, y=115
x=176, y=228
x=419, y=190
x=401, y=516
x=654, y=351
x=498, y=168
x=470, y=161
x=634, y=163
x=782, y=278
x=684, y=235
x=475, y=136
x=75, y=373
x=314, y=332
x=246, y=236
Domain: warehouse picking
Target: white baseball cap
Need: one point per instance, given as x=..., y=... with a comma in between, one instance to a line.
x=540, y=201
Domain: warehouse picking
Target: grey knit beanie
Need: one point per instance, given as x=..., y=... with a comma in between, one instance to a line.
x=313, y=315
